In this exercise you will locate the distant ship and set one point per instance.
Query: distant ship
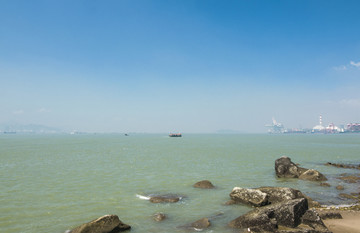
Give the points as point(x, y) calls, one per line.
point(175, 135)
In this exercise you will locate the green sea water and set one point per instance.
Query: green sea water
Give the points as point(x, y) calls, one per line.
point(52, 183)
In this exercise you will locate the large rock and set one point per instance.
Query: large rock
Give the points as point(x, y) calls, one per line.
point(104, 224)
point(313, 219)
point(286, 213)
point(280, 194)
point(204, 184)
point(289, 213)
point(249, 196)
point(285, 168)
point(255, 220)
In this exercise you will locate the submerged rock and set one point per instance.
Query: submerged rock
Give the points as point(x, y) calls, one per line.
point(198, 225)
point(350, 178)
point(324, 184)
point(204, 184)
point(158, 217)
point(285, 168)
point(347, 196)
point(104, 224)
point(340, 165)
point(161, 199)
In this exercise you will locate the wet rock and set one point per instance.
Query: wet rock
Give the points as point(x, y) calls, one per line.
point(104, 224)
point(158, 217)
point(339, 165)
point(347, 196)
point(340, 187)
point(161, 199)
point(312, 175)
point(350, 178)
point(249, 196)
point(201, 223)
point(230, 202)
point(198, 225)
point(285, 168)
point(324, 184)
point(204, 184)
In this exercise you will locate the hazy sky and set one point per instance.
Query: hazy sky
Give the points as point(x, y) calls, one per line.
point(179, 65)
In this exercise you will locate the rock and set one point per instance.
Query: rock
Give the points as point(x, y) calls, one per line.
point(284, 168)
point(280, 194)
point(312, 175)
point(256, 221)
point(313, 219)
point(169, 198)
point(347, 196)
point(204, 184)
point(230, 202)
point(159, 217)
point(330, 215)
point(164, 199)
point(201, 224)
point(104, 224)
point(350, 178)
point(339, 165)
point(324, 184)
point(287, 213)
point(340, 187)
point(198, 225)
point(249, 196)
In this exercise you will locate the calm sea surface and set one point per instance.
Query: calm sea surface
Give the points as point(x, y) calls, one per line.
point(51, 183)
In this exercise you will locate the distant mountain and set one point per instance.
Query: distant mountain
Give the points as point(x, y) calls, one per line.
point(31, 128)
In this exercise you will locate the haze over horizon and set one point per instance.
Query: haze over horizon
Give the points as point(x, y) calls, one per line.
point(179, 65)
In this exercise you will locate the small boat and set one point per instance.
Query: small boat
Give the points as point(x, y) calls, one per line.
point(175, 135)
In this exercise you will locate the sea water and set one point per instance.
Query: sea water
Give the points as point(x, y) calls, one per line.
point(52, 183)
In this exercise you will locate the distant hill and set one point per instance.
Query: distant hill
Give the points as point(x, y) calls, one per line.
point(31, 128)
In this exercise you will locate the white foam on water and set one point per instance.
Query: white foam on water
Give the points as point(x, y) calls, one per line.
point(338, 206)
point(142, 197)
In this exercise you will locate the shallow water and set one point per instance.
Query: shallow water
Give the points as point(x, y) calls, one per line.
point(51, 183)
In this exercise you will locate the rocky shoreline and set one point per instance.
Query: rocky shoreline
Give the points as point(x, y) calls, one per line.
point(275, 209)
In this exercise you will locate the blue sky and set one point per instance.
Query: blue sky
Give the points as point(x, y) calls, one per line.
point(185, 66)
